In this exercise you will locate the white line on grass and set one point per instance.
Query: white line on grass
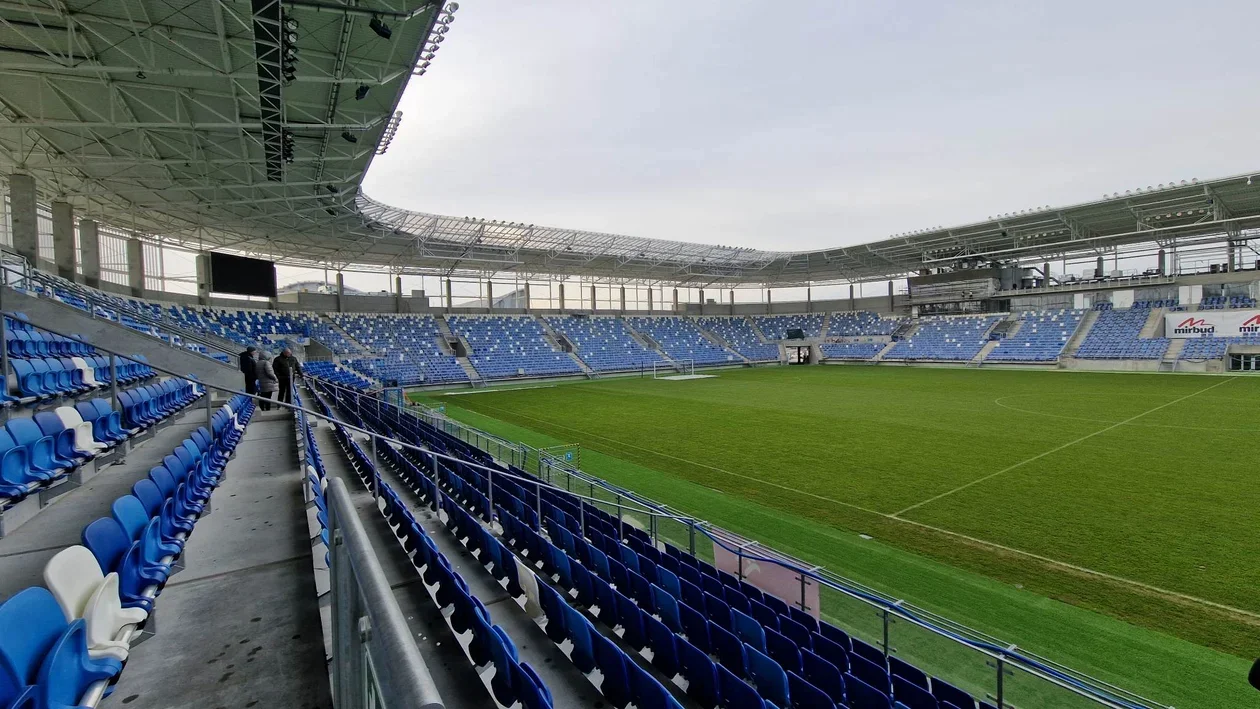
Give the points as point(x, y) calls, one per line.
point(1069, 444)
point(921, 525)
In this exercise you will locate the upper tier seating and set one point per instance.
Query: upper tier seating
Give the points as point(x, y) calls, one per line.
point(331, 372)
point(1203, 348)
point(851, 350)
point(1041, 337)
point(775, 327)
point(408, 347)
point(1220, 302)
point(604, 343)
point(860, 323)
point(1115, 336)
point(1163, 303)
point(60, 646)
point(955, 339)
point(510, 346)
point(681, 340)
point(735, 644)
point(739, 333)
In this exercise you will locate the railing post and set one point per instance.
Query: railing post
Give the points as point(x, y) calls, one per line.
point(113, 381)
point(1001, 667)
point(886, 648)
point(652, 523)
point(437, 484)
point(209, 412)
point(376, 472)
point(621, 525)
point(691, 536)
point(582, 516)
point(490, 512)
point(4, 345)
point(538, 502)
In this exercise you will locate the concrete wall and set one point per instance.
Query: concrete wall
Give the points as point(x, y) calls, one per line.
point(63, 318)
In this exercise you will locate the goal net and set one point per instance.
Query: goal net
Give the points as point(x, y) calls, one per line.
point(661, 370)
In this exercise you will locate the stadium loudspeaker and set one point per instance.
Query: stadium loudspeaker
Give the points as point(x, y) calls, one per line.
point(1254, 677)
point(796, 334)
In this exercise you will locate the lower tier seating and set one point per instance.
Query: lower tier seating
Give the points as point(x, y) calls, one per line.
point(851, 350)
point(63, 645)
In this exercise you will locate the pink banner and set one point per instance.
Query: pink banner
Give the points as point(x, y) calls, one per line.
point(768, 576)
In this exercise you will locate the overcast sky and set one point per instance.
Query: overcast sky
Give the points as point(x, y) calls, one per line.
point(817, 124)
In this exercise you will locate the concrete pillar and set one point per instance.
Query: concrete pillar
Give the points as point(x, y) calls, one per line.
point(1229, 252)
point(561, 292)
point(1099, 268)
point(1163, 263)
point(398, 294)
point(1045, 273)
point(449, 300)
point(732, 301)
point(204, 285)
point(623, 299)
point(675, 300)
point(702, 301)
point(90, 253)
point(135, 266)
point(890, 297)
point(527, 297)
point(592, 298)
point(23, 215)
point(852, 301)
point(650, 299)
point(63, 239)
point(769, 302)
point(490, 296)
point(341, 292)
point(809, 299)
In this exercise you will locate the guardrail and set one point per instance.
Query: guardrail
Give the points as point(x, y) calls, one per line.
point(375, 660)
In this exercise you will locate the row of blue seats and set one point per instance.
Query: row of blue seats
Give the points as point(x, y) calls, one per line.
point(337, 375)
point(48, 377)
point(485, 644)
point(33, 343)
point(40, 451)
point(64, 645)
point(863, 676)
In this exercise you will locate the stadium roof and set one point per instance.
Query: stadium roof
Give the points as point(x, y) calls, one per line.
point(171, 118)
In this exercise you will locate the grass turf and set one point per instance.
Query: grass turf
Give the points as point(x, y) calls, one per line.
point(1136, 476)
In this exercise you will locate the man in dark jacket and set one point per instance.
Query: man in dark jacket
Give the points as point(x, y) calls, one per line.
point(287, 367)
point(249, 368)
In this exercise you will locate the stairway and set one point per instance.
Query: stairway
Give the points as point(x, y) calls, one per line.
point(720, 341)
point(362, 349)
point(1082, 331)
point(762, 335)
point(1154, 323)
point(879, 357)
point(474, 377)
point(649, 344)
point(551, 337)
point(1172, 355)
point(978, 360)
point(443, 326)
point(905, 330)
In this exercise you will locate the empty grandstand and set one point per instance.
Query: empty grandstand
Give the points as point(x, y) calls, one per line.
point(943, 339)
point(511, 347)
point(740, 335)
point(1041, 337)
point(680, 339)
point(605, 344)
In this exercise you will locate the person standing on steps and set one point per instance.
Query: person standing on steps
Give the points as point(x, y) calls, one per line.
point(249, 368)
point(287, 368)
point(267, 381)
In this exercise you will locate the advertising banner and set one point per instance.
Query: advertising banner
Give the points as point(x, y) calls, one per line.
point(1212, 323)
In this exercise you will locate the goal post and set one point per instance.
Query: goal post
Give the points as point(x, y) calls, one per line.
point(661, 370)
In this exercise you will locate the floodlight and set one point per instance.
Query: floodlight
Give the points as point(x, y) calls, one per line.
point(452, 6)
point(290, 37)
point(381, 29)
point(361, 92)
point(290, 24)
point(349, 137)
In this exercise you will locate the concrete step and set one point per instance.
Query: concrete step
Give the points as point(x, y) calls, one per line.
point(1082, 331)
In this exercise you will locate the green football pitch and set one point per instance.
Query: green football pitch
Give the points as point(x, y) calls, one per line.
point(1110, 522)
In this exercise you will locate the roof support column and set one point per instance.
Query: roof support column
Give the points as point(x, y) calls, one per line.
point(732, 301)
point(135, 266)
point(592, 297)
point(527, 296)
point(809, 299)
point(561, 292)
point(852, 302)
point(24, 219)
point(891, 308)
point(1163, 263)
point(63, 239)
point(448, 295)
point(203, 274)
point(1045, 269)
point(489, 296)
point(623, 300)
point(769, 304)
point(398, 294)
point(702, 301)
point(90, 253)
point(1099, 268)
point(675, 300)
point(341, 292)
point(1229, 252)
point(650, 289)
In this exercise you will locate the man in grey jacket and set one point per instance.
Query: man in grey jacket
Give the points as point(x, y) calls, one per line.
point(267, 381)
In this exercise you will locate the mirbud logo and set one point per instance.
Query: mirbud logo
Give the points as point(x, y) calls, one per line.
point(1251, 326)
point(1199, 326)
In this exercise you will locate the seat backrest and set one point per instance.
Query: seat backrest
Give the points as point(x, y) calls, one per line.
point(727, 648)
point(805, 694)
point(735, 692)
point(748, 630)
point(30, 622)
point(165, 481)
point(912, 695)
point(784, 651)
point(131, 515)
point(72, 576)
point(768, 675)
point(149, 494)
point(823, 675)
point(612, 663)
point(696, 665)
point(67, 671)
point(24, 431)
point(108, 542)
point(946, 692)
point(69, 415)
point(49, 423)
